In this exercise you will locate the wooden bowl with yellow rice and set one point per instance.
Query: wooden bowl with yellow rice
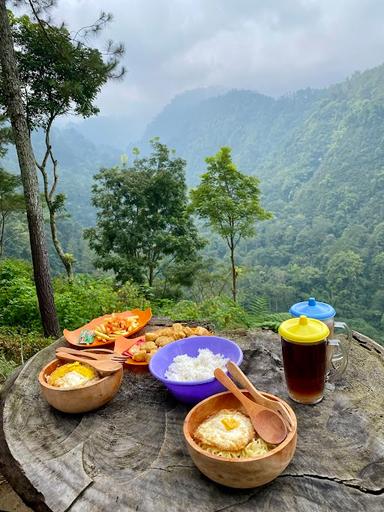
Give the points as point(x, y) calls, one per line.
point(79, 399)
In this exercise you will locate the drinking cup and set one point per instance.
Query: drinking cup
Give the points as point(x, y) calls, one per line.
point(304, 347)
point(336, 353)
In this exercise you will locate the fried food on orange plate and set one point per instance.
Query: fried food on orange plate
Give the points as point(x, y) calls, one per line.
point(161, 341)
point(177, 332)
point(189, 331)
point(157, 339)
point(114, 326)
point(140, 356)
point(200, 331)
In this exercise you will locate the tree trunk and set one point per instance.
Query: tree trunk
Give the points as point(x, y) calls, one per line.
point(26, 159)
point(233, 269)
point(150, 275)
point(49, 194)
point(67, 262)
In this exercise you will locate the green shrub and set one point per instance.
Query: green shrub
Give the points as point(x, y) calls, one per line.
point(89, 297)
point(16, 346)
point(362, 326)
point(86, 298)
point(76, 303)
point(268, 320)
point(182, 310)
point(221, 311)
point(18, 301)
point(130, 296)
point(19, 344)
point(6, 367)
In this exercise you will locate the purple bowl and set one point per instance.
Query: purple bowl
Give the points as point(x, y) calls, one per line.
point(195, 391)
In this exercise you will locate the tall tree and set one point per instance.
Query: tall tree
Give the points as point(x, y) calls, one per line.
point(143, 226)
point(59, 76)
point(17, 115)
point(10, 201)
point(230, 201)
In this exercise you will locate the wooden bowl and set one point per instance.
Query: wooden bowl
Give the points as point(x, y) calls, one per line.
point(81, 399)
point(238, 473)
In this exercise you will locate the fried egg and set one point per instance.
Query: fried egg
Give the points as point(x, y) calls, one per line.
point(226, 430)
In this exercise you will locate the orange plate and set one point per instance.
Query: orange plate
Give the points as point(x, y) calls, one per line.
point(122, 345)
point(73, 336)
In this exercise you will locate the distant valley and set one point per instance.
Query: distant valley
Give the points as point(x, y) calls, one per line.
point(320, 157)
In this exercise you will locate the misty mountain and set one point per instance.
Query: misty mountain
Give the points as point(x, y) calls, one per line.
point(79, 160)
point(320, 157)
point(254, 125)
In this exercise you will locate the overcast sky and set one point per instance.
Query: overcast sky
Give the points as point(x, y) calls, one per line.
point(272, 46)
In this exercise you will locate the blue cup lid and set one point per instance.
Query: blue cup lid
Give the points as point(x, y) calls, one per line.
point(313, 309)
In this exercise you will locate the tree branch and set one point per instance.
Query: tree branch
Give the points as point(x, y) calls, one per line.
point(39, 20)
point(42, 166)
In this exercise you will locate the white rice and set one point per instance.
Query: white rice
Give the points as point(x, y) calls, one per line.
point(185, 368)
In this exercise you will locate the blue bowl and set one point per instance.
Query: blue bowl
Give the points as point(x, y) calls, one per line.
point(195, 391)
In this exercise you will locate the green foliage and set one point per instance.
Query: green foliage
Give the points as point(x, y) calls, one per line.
point(8, 184)
point(16, 346)
point(230, 202)
point(19, 343)
point(6, 367)
point(18, 301)
point(84, 299)
point(143, 226)
point(221, 312)
point(11, 202)
point(89, 297)
point(260, 316)
point(59, 75)
point(344, 275)
point(5, 135)
point(228, 199)
point(257, 306)
point(319, 156)
point(77, 303)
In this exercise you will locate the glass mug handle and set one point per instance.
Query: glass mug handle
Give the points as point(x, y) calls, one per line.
point(339, 359)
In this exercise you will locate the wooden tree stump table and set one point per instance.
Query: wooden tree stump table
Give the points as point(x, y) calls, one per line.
point(130, 455)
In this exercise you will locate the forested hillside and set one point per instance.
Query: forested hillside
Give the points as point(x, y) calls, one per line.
point(79, 159)
point(320, 157)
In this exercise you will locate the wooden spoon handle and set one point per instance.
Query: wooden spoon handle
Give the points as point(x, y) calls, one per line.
point(71, 357)
point(96, 351)
point(243, 380)
point(231, 386)
point(75, 352)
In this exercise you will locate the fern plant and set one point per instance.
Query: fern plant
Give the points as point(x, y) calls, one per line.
point(260, 315)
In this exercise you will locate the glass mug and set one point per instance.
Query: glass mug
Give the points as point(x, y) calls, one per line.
point(337, 349)
point(305, 344)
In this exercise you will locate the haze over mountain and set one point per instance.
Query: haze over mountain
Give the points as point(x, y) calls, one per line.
point(320, 157)
point(272, 47)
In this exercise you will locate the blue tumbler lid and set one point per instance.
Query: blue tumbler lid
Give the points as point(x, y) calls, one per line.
point(313, 309)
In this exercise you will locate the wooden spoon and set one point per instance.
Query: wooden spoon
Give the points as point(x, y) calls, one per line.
point(260, 399)
point(93, 355)
point(268, 424)
point(104, 367)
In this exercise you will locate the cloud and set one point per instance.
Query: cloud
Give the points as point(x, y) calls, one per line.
point(270, 46)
